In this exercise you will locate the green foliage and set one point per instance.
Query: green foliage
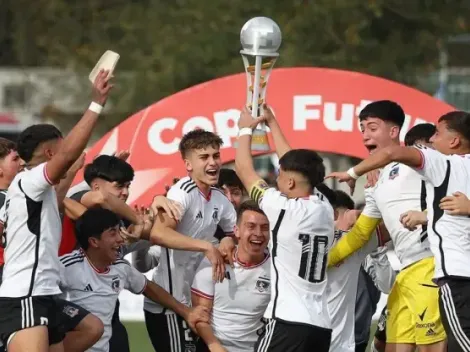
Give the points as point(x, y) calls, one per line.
point(168, 45)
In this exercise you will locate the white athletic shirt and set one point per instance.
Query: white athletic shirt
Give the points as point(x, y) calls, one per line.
point(239, 302)
point(33, 232)
point(200, 217)
point(341, 291)
point(449, 234)
point(398, 190)
point(302, 232)
point(98, 291)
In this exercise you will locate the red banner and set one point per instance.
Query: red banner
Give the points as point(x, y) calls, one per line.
point(316, 107)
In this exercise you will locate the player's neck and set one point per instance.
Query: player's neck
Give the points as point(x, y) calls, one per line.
point(462, 151)
point(205, 189)
point(35, 161)
point(247, 260)
point(4, 184)
point(97, 261)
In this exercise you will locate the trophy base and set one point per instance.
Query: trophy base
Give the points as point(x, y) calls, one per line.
point(259, 141)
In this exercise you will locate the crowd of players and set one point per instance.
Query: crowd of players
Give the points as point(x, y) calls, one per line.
point(298, 267)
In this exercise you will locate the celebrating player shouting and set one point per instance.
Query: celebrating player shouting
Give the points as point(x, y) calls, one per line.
point(414, 317)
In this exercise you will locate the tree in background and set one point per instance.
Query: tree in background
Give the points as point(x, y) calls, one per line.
point(169, 45)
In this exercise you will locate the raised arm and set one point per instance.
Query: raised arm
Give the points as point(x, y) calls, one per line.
point(75, 142)
point(280, 142)
point(243, 160)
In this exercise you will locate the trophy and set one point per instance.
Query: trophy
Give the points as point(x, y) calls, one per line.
point(260, 38)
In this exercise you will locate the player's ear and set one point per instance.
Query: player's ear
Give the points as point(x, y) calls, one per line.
point(93, 242)
point(336, 214)
point(455, 142)
point(236, 231)
point(188, 165)
point(291, 183)
point(394, 131)
point(95, 186)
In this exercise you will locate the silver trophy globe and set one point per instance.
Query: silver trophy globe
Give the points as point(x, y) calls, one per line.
point(260, 38)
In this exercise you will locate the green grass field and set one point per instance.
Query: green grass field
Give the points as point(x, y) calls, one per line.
point(140, 342)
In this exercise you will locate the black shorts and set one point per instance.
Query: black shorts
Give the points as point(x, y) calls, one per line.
point(22, 313)
point(282, 336)
point(119, 341)
point(380, 333)
point(169, 333)
point(70, 315)
point(454, 306)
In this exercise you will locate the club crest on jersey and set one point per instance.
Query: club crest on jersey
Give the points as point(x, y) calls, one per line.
point(115, 284)
point(215, 214)
point(262, 285)
point(394, 173)
point(70, 311)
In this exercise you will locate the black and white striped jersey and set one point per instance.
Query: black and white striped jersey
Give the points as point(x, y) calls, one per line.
point(201, 215)
point(97, 291)
point(302, 232)
point(32, 233)
point(448, 234)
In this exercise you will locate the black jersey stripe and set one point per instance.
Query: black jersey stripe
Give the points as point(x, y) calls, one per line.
point(33, 222)
point(170, 281)
point(68, 258)
point(274, 255)
point(439, 193)
point(78, 260)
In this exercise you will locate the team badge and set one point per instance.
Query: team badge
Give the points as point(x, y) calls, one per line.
point(394, 173)
point(262, 285)
point(116, 283)
point(70, 311)
point(215, 215)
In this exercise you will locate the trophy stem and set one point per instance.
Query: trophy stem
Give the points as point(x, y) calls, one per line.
point(256, 86)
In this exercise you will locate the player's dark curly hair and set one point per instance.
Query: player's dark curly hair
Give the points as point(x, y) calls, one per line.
point(248, 205)
point(305, 162)
point(93, 223)
point(33, 136)
point(109, 168)
point(6, 146)
point(198, 139)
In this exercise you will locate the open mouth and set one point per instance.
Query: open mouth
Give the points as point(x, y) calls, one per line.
point(212, 172)
point(371, 148)
point(256, 243)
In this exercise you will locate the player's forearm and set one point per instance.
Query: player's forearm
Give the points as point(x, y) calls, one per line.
point(243, 158)
point(165, 236)
point(160, 296)
point(62, 188)
point(280, 142)
point(355, 239)
point(73, 209)
point(118, 206)
point(205, 331)
point(407, 155)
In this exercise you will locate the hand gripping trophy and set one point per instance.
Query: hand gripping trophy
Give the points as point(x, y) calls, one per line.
point(260, 38)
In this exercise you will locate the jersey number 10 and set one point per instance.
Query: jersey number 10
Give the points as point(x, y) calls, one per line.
point(314, 257)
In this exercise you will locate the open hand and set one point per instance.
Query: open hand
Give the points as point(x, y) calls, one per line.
point(199, 314)
point(247, 121)
point(102, 87)
point(456, 204)
point(413, 218)
point(173, 209)
point(344, 177)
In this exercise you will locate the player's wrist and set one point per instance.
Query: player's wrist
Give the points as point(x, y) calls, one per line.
point(352, 173)
point(96, 107)
point(245, 131)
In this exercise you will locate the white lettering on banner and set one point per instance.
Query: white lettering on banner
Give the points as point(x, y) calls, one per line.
point(336, 118)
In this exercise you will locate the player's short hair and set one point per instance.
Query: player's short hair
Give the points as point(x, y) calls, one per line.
point(93, 223)
point(343, 200)
point(385, 110)
point(109, 168)
point(421, 132)
point(248, 205)
point(229, 178)
point(458, 121)
point(33, 136)
point(198, 139)
point(306, 162)
point(6, 146)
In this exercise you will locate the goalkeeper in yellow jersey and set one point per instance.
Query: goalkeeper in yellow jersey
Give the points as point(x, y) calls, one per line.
point(413, 319)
